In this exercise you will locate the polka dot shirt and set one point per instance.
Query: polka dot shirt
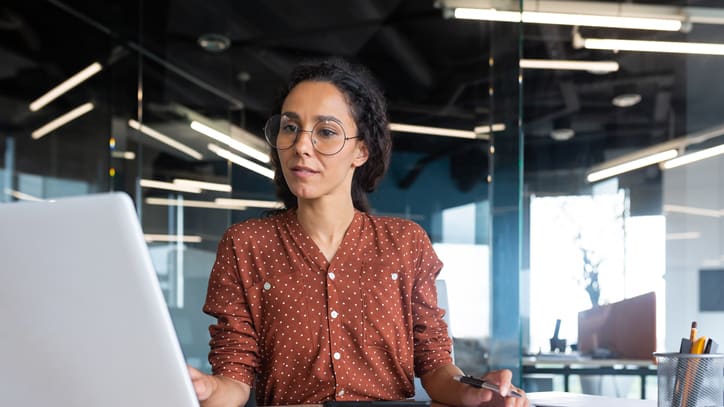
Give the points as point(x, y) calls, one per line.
point(305, 330)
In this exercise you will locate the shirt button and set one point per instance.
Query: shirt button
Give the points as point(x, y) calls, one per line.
point(331, 275)
point(267, 286)
point(394, 276)
point(337, 356)
point(334, 314)
point(341, 393)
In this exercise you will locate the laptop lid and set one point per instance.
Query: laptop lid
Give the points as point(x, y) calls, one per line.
point(83, 321)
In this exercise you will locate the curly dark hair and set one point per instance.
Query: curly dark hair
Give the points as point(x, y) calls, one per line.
point(369, 111)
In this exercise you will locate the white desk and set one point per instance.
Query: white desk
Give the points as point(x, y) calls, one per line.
point(560, 399)
point(567, 365)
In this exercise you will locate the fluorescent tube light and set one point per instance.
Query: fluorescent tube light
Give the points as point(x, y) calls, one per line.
point(490, 14)
point(62, 120)
point(252, 166)
point(149, 183)
point(184, 203)
point(562, 64)
point(480, 132)
point(683, 236)
point(220, 203)
point(249, 203)
point(235, 144)
point(126, 155)
point(171, 238)
point(631, 165)
point(702, 48)
point(67, 85)
point(211, 186)
point(586, 20)
point(433, 131)
point(485, 129)
point(165, 139)
point(693, 157)
point(690, 210)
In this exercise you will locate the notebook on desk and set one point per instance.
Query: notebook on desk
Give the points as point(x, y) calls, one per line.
point(83, 321)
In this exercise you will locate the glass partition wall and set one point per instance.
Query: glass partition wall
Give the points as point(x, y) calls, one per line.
point(529, 229)
point(623, 181)
point(167, 98)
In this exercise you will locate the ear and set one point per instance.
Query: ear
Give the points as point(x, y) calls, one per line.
point(361, 155)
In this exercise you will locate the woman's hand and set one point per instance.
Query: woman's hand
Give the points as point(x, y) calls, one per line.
point(204, 384)
point(218, 390)
point(444, 389)
point(502, 378)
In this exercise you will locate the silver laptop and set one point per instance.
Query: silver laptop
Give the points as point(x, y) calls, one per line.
point(83, 321)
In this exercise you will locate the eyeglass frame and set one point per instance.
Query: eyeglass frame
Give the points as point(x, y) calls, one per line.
point(311, 132)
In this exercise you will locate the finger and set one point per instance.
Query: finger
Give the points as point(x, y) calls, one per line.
point(194, 373)
point(503, 379)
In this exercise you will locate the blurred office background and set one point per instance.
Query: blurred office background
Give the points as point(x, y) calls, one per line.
point(497, 146)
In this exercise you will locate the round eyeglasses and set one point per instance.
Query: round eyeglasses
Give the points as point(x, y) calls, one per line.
point(328, 136)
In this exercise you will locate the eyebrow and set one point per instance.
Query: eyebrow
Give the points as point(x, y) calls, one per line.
point(319, 118)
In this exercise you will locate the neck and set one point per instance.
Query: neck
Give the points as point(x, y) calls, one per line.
point(326, 223)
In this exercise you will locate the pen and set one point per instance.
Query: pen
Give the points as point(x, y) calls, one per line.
point(482, 384)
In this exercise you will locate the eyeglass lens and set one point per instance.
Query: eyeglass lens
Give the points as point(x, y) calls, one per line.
point(328, 136)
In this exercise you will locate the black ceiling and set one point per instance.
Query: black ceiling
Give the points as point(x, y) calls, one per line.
point(434, 70)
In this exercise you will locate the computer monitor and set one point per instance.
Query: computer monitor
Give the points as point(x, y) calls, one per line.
point(83, 321)
point(621, 330)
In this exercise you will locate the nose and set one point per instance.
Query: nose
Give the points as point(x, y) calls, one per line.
point(304, 145)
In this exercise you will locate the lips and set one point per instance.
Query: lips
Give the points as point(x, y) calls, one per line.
point(303, 171)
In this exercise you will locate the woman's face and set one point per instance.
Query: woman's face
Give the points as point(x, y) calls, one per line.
point(309, 174)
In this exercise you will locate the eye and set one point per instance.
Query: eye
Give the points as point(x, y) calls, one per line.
point(289, 128)
point(328, 130)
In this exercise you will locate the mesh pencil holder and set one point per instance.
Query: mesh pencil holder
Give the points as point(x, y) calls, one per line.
point(686, 380)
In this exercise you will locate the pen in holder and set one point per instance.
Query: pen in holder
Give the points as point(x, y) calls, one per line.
point(690, 380)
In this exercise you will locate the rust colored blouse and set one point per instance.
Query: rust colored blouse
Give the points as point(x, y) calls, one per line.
point(305, 330)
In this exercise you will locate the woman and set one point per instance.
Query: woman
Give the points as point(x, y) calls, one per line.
point(322, 300)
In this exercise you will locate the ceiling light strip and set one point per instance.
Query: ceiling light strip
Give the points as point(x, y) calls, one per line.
point(249, 203)
point(67, 85)
point(62, 120)
point(433, 131)
point(690, 210)
point(631, 165)
point(150, 237)
point(149, 183)
point(483, 131)
point(586, 20)
point(693, 157)
point(226, 139)
point(683, 236)
point(189, 203)
point(165, 139)
point(249, 165)
point(210, 186)
point(219, 203)
point(125, 155)
point(700, 48)
point(571, 65)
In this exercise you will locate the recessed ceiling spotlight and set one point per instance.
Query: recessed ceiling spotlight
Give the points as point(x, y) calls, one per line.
point(562, 134)
point(213, 42)
point(243, 76)
point(626, 100)
point(562, 129)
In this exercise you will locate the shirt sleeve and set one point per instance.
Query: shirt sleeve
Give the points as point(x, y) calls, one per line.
point(234, 342)
point(433, 346)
